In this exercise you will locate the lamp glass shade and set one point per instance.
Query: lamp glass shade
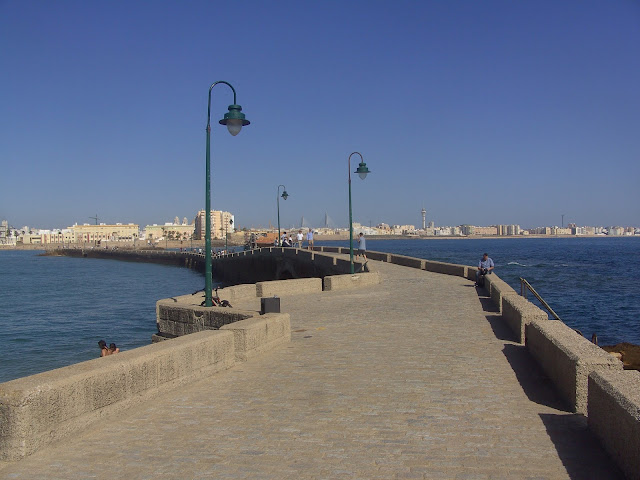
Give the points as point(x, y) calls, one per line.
point(234, 119)
point(285, 195)
point(362, 170)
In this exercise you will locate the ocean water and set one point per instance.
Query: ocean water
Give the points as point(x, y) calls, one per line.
point(593, 284)
point(53, 310)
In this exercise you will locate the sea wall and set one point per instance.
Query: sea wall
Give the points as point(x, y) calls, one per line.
point(40, 409)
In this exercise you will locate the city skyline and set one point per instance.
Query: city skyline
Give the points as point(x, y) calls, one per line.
point(492, 113)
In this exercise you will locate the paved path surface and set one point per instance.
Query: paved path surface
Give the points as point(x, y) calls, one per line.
point(414, 378)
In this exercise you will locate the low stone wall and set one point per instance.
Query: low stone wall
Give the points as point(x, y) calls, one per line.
point(498, 289)
point(298, 286)
point(614, 416)
point(407, 261)
point(517, 312)
point(39, 409)
point(259, 334)
point(345, 282)
point(567, 358)
point(446, 268)
point(176, 318)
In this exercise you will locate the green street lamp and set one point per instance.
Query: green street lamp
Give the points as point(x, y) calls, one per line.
point(234, 119)
point(362, 172)
point(284, 195)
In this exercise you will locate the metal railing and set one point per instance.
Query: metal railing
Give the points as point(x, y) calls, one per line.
point(524, 286)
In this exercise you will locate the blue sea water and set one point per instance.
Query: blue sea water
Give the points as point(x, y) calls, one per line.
point(53, 310)
point(593, 284)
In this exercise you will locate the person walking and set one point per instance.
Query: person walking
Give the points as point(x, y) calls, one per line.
point(299, 238)
point(362, 247)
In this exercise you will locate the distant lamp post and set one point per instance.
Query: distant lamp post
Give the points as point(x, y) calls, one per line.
point(362, 172)
point(226, 237)
point(284, 195)
point(234, 119)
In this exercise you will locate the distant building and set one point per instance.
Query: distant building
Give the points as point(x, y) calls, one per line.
point(221, 223)
point(119, 232)
point(169, 231)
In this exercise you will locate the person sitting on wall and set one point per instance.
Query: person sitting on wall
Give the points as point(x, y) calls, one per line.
point(285, 240)
point(113, 349)
point(485, 266)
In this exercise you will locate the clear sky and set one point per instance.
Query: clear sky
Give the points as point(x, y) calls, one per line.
point(482, 112)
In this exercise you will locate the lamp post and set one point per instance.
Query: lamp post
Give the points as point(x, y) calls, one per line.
point(234, 119)
point(362, 172)
point(284, 195)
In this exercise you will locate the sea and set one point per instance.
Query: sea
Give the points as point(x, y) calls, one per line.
point(53, 310)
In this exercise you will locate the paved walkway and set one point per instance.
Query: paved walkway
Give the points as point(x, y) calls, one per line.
point(414, 378)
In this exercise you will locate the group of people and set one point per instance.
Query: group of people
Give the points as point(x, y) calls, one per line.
point(288, 241)
point(110, 350)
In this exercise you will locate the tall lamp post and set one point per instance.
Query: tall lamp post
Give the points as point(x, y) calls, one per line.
point(234, 119)
point(284, 195)
point(362, 172)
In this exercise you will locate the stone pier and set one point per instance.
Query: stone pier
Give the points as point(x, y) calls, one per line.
point(415, 377)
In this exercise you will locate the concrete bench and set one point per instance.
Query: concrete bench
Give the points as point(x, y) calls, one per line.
point(567, 358)
point(40, 409)
point(517, 312)
point(344, 282)
point(256, 335)
point(289, 287)
point(614, 416)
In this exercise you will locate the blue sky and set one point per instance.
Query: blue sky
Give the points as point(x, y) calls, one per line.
point(482, 112)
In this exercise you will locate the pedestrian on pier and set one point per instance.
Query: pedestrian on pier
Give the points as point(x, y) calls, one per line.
point(310, 239)
point(299, 237)
point(362, 247)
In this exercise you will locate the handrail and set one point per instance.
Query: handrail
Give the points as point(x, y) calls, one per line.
point(523, 292)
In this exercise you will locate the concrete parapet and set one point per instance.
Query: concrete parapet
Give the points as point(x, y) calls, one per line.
point(331, 249)
point(446, 268)
point(407, 261)
point(471, 273)
point(179, 319)
point(499, 290)
point(259, 334)
point(518, 312)
point(344, 282)
point(238, 292)
point(381, 256)
point(567, 358)
point(614, 416)
point(288, 287)
point(40, 409)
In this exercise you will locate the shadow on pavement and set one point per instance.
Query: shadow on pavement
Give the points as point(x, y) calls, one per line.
point(500, 329)
point(487, 304)
point(534, 382)
point(578, 449)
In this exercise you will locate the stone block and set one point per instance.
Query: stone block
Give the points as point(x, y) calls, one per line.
point(296, 286)
point(614, 416)
point(408, 261)
point(40, 409)
point(499, 289)
point(567, 358)
point(517, 312)
point(259, 334)
point(238, 292)
point(178, 319)
point(380, 256)
point(345, 282)
point(446, 268)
